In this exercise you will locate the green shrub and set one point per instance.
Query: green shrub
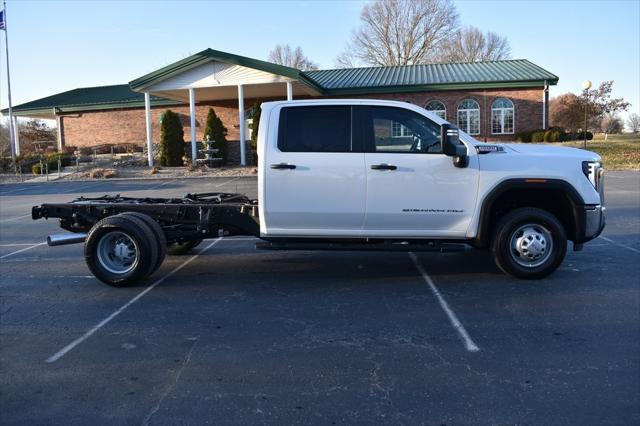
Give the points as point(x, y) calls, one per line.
point(554, 135)
point(537, 136)
point(171, 140)
point(51, 161)
point(580, 136)
point(215, 131)
point(254, 133)
point(523, 137)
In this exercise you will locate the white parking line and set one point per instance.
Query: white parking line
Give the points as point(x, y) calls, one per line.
point(15, 218)
point(21, 250)
point(18, 244)
point(455, 322)
point(615, 243)
point(217, 185)
point(82, 188)
point(62, 352)
point(16, 190)
point(161, 185)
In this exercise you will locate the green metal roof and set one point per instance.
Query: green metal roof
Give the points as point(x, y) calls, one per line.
point(450, 76)
point(89, 98)
point(337, 82)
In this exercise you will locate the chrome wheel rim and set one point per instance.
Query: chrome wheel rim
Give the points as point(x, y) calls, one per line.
point(531, 245)
point(117, 252)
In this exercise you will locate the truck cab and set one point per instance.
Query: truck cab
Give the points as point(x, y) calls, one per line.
point(377, 169)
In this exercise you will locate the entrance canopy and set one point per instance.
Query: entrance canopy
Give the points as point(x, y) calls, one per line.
point(212, 75)
point(216, 75)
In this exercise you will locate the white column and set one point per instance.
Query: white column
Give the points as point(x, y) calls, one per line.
point(59, 123)
point(17, 134)
point(544, 105)
point(243, 156)
point(147, 110)
point(192, 112)
point(289, 91)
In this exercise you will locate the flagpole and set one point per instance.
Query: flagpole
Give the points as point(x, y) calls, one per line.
point(15, 150)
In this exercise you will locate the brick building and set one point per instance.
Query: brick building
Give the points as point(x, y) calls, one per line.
point(490, 100)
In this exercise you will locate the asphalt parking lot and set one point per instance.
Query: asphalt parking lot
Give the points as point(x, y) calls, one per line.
point(232, 335)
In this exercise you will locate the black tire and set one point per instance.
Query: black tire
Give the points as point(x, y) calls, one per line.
point(125, 231)
point(178, 249)
point(529, 243)
point(161, 240)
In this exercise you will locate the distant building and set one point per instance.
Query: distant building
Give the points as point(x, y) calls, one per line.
point(490, 100)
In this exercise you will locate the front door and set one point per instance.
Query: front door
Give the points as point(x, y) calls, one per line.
point(413, 189)
point(314, 175)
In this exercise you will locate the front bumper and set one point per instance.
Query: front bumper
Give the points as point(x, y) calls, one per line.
point(592, 223)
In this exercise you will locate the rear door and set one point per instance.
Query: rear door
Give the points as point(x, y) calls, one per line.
point(314, 174)
point(413, 189)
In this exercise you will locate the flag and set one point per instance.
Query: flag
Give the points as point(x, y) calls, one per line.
point(2, 26)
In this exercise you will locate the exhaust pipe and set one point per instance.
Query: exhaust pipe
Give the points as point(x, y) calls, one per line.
point(64, 239)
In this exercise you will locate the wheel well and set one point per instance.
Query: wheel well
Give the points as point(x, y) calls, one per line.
point(554, 200)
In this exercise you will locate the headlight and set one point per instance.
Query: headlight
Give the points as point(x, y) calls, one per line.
point(594, 171)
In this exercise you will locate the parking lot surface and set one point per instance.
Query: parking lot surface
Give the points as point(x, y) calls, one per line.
point(233, 335)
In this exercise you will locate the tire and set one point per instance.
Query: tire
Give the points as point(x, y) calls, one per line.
point(132, 238)
point(178, 249)
point(161, 240)
point(529, 243)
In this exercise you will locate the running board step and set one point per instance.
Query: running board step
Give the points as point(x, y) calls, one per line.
point(402, 247)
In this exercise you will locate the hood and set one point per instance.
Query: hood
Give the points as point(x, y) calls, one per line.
point(552, 150)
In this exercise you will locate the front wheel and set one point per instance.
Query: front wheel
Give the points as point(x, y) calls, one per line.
point(529, 243)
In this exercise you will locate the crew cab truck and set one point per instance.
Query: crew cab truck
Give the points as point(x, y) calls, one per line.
point(361, 175)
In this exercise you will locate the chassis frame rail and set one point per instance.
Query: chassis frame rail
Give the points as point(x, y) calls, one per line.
point(192, 217)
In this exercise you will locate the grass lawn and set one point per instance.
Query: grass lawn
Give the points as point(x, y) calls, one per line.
point(618, 152)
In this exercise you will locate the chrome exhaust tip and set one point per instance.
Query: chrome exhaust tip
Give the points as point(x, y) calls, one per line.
point(64, 239)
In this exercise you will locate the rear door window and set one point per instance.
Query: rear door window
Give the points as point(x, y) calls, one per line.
point(315, 129)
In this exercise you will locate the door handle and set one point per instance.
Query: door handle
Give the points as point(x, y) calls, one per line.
point(283, 166)
point(383, 167)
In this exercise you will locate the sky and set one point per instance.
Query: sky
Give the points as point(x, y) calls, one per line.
point(61, 45)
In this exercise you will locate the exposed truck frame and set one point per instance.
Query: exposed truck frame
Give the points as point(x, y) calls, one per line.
point(195, 216)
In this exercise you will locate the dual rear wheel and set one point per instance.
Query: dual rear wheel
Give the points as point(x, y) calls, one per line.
point(125, 248)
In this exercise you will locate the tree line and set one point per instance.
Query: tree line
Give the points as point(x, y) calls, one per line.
point(406, 32)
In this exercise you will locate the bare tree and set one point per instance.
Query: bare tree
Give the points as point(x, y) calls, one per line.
point(568, 110)
point(611, 124)
point(470, 44)
point(294, 58)
point(633, 122)
point(400, 32)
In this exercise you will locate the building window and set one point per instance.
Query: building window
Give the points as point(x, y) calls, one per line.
point(469, 117)
point(399, 130)
point(502, 116)
point(437, 108)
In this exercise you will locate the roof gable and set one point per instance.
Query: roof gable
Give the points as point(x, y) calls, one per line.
point(208, 55)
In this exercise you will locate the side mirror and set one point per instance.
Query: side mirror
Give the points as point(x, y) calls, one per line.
point(452, 147)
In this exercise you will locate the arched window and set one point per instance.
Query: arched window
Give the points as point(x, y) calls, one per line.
point(437, 108)
point(469, 116)
point(502, 116)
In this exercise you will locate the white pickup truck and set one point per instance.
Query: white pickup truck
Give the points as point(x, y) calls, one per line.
point(361, 175)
